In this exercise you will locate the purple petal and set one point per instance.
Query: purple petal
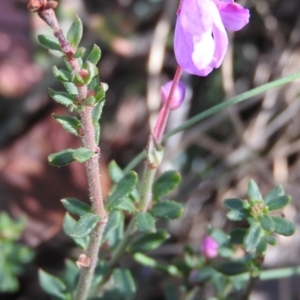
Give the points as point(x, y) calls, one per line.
point(234, 16)
point(200, 41)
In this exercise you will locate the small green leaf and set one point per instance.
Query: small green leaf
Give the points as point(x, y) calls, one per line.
point(167, 210)
point(101, 91)
point(61, 75)
point(75, 206)
point(237, 215)
point(76, 78)
point(85, 225)
point(266, 222)
point(97, 133)
point(122, 190)
point(70, 88)
point(68, 226)
point(115, 172)
point(92, 72)
point(94, 85)
point(253, 236)
point(114, 219)
point(94, 55)
point(79, 52)
point(74, 34)
point(125, 283)
point(62, 97)
point(144, 222)
point(278, 203)
point(127, 205)
point(90, 101)
point(61, 158)
point(165, 183)
point(82, 154)
point(148, 242)
point(70, 124)
point(231, 268)
point(237, 236)
point(253, 191)
point(70, 275)
point(270, 240)
point(53, 286)
point(261, 248)
point(116, 235)
point(283, 226)
point(234, 204)
point(56, 53)
point(97, 111)
point(274, 193)
point(49, 42)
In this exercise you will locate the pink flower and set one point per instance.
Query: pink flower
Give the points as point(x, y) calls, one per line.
point(178, 95)
point(209, 247)
point(200, 41)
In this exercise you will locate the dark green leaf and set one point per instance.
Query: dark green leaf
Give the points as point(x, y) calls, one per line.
point(261, 248)
point(252, 237)
point(75, 206)
point(62, 97)
point(53, 286)
point(234, 204)
point(82, 154)
point(74, 34)
point(283, 226)
point(115, 172)
point(122, 190)
point(125, 283)
point(274, 193)
point(85, 225)
point(94, 55)
point(144, 222)
point(101, 91)
point(237, 215)
point(253, 191)
point(167, 210)
point(231, 268)
point(61, 158)
point(237, 235)
point(97, 111)
point(70, 124)
point(266, 222)
point(49, 42)
point(71, 273)
point(114, 219)
point(202, 275)
point(149, 241)
point(278, 203)
point(165, 183)
point(61, 75)
point(116, 235)
point(68, 226)
point(270, 240)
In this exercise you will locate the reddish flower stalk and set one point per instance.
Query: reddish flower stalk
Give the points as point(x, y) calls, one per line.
point(165, 110)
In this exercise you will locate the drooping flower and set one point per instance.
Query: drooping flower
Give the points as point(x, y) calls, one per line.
point(178, 96)
point(209, 247)
point(201, 41)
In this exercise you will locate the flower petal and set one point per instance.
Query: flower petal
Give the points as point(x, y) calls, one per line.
point(234, 16)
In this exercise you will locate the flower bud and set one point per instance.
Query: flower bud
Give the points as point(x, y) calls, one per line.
point(178, 96)
point(209, 247)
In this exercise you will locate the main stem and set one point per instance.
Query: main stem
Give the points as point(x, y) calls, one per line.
point(147, 181)
point(92, 165)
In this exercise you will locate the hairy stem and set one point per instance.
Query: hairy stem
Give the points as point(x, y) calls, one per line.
point(92, 165)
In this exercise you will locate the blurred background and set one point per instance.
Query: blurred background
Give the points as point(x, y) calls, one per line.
point(259, 138)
